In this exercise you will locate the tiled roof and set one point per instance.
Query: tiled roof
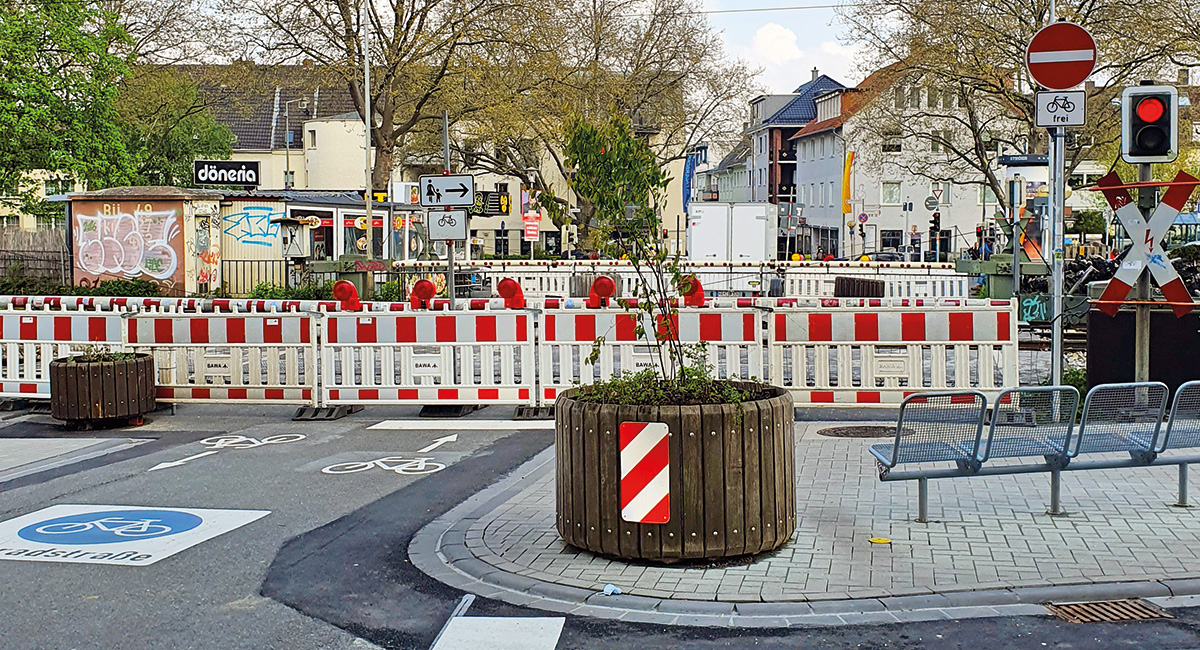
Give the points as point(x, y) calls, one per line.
point(853, 100)
point(737, 155)
point(252, 100)
point(802, 109)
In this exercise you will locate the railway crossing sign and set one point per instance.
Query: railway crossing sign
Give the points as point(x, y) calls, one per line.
point(447, 190)
point(1146, 251)
point(1061, 56)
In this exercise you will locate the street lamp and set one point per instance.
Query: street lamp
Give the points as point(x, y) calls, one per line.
point(302, 104)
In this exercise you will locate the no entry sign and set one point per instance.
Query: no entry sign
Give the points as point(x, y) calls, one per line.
point(1061, 56)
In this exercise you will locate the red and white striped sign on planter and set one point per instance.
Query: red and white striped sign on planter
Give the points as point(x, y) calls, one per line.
point(645, 473)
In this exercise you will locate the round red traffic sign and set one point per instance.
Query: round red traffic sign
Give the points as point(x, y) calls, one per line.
point(1061, 56)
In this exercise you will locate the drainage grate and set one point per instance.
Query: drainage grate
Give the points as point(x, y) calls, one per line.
point(858, 432)
point(1108, 611)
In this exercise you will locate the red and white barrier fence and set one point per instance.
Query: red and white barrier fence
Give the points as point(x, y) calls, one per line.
point(863, 351)
point(263, 358)
point(30, 340)
point(429, 358)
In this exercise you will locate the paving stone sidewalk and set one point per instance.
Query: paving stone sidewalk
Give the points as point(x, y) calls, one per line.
point(985, 533)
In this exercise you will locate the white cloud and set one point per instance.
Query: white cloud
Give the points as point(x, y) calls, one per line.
point(774, 45)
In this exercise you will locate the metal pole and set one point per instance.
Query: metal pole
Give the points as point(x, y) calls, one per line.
point(1055, 493)
point(1141, 289)
point(1057, 183)
point(451, 289)
point(922, 500)
point(368, 121)
point(1183, 496)
point(1016, 197)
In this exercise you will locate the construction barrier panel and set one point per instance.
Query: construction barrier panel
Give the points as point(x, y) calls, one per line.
point(31, 339)
point(870, 351)
point(262, 358)
point(732, 338)
point(429, 358)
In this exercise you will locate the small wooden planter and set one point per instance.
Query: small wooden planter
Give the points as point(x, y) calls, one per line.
point(101, 390)
point(732, 479)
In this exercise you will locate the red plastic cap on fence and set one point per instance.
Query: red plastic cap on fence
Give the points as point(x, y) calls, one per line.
point(422, 292)
point(510, 290)
point(693, 292)
point(347, 294)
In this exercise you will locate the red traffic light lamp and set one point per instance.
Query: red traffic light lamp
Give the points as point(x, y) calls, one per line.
point(1149, 124)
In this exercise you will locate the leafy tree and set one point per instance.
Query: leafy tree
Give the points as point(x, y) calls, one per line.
point(167, 126)
point(1087, 222)
point(60, 66)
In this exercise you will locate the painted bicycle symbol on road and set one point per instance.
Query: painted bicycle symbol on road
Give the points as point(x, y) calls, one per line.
point(397, 464)
point(110, 526)
point(245, 442)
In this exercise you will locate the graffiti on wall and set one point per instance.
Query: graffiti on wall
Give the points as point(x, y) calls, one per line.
point(253, 225)
point(127, 239)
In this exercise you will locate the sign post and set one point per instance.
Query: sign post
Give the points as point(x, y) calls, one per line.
point(1059, 57)
point(532, 221)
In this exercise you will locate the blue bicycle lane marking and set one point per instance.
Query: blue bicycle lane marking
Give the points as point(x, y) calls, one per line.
point(110, 527)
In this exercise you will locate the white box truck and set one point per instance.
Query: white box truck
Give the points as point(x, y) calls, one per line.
point(732, 232)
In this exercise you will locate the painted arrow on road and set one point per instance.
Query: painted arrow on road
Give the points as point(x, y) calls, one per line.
point(438, 442)
point(177, 463)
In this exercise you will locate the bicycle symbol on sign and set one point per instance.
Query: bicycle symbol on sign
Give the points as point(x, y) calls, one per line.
point(397, 464)
point(246, 442)
point(1061, 101)
point(115, 525)
point(447, 220)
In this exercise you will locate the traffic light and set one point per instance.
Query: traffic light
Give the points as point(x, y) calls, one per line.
point(862, 231)
point(979, 232)
point(1149, 124)
point(935, 223)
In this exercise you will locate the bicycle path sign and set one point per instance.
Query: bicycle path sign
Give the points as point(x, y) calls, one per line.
point(1061, 108)
point(120, 535)
point(447, 225)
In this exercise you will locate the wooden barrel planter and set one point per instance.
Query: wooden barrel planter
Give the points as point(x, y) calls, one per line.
point(102, 390)
point(732, 479)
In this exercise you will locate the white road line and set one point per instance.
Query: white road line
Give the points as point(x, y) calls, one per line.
point(500, 633)
point(463, 425)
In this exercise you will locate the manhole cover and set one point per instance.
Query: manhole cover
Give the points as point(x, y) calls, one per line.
point(858, 432)
point(1108, 611)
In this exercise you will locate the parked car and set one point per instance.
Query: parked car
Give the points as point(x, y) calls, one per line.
point(875, 256)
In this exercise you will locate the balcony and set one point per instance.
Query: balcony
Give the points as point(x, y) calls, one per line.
point(785, 188)
point(785, 155)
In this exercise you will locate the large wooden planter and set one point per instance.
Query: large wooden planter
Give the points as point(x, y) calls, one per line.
point(732, 479)
point(101, 390)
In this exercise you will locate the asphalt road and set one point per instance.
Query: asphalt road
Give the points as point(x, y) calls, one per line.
point(328, 567)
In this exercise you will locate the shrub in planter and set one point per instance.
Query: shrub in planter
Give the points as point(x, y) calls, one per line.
point(102, 386)
point(728, 487)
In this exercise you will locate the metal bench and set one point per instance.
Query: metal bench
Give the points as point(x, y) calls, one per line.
point(1039, 422)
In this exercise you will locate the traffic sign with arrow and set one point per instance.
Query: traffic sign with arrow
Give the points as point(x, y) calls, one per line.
point(447, 190)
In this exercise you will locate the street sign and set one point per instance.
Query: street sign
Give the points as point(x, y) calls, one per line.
point(451, 190)
point(532, 222)
point(1146, 252)
point(862, 218)
point(1061, 108)
point(1061, 56)
point(937, 194)
point(931, 203)
point(447, 225)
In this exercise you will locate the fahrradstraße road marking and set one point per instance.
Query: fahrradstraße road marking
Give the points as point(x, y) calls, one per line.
point(121, 535)
point(231, 441)
point(500, 633)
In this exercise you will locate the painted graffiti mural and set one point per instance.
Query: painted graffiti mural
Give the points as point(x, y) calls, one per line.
point(129, 239)
point(253, 225)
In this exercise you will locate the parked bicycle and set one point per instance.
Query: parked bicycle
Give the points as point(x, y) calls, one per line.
point(397, 464)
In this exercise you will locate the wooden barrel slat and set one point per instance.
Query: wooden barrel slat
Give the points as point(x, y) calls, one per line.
point(731, 473)
point(101, 390)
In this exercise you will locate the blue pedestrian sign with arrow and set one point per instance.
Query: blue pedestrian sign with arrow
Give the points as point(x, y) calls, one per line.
point(447, 190)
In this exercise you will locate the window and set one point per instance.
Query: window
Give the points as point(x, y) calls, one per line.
point(899, 96)
point(807, 197)
point(987, 195)
point(821, 194)
point(890, 238)
point(891, 141)
point(59, 186)
point(312, 139)
point(914, 97)
point(939, 141)
point(812, 192)
point(822, 147)
point(941, 191)
point(829, 195)
point(289, 179)
point(502, 188)
point(891, 193)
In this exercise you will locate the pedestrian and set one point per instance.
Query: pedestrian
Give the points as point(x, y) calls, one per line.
point(820, 253)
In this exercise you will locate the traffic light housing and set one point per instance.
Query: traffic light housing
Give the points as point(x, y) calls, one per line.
point(1150, 124)
point(935, 223)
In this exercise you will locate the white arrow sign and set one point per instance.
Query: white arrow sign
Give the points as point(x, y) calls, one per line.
point(177, 463)
point(438, 442)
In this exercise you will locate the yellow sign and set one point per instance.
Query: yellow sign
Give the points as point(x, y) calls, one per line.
point(361, 224)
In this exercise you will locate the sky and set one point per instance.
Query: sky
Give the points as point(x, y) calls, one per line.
point(786, 45)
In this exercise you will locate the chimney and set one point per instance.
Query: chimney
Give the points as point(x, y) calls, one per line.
point(816, 73)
